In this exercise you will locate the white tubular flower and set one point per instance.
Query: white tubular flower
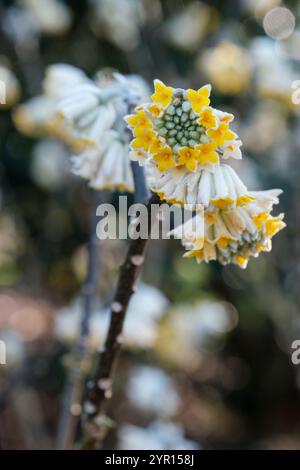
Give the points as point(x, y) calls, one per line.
point(91, 108)
point(84, 114)
point(192, 233)
point(37, 117)
point(221, 189)
point(233, 235)
point(232, 150)
point(107, 165)
point(80, 103)
point(60, 79)
point(95, 114)
point(264, 200)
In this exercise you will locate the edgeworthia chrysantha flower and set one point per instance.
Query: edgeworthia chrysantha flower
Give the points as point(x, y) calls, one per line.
point(183, 142)
point(180, 128)
point(95, 113)
point(88, 116)
point(37, 117)
point(232, 235)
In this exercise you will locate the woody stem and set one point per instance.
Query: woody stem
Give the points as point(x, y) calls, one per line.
point(100, 391)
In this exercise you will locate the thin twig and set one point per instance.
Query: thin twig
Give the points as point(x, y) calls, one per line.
point(95, 422)
point(74, 388)
point(141, 193)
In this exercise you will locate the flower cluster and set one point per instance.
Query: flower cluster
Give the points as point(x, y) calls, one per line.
point(179, 128)
point(37, 117)
point(183, 143)
point(232, 235)
point(221, 188)
point(88, 116)
point(95, 114)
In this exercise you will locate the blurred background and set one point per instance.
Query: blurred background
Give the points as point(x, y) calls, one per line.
point(206, 360)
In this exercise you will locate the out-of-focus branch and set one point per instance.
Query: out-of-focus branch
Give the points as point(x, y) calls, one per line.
point(24, 42)
point(74, 388)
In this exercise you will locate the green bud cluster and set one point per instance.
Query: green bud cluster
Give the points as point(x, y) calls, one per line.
point(179, 126)
point(247, 244)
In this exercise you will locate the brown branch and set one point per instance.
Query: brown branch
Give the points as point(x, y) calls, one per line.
point(95, 423)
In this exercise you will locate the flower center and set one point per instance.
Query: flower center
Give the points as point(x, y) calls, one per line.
point(179, 124)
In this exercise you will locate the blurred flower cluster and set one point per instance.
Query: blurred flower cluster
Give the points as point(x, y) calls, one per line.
point(86, 115)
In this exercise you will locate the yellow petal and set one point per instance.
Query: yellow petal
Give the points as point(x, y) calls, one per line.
point(273, 226)
point(191, 164)
point(221, 203)
point(259, 219)
point(139, 120)
point(244, 200)
point(207, 118)
point(241, 261)
point(223, 242)
point(163, 94)
point(200, 98)
point(155, 110)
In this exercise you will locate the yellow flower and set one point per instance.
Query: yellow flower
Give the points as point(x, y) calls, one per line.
point(188, 157)
point(210, 217)
point(198, 254)
point(155, 110)
point(207, 118)
point(206, 153)
point(164, 159)
point(139, 120)
point(241, 261)
point(274, 225)
point(259, 219)
point(143, 140)
point(207, 253)
point(223, 242)
point(221, 134)
point(156, 146)
point(222, 203)
point(200, 98)
point(226, 117)
point(163, 94)
point(244, 200)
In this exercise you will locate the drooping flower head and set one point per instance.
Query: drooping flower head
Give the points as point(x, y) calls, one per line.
point(233, 235)
point(95, 113)
point(88, 116)
point(180, 128)
point(37, 117)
